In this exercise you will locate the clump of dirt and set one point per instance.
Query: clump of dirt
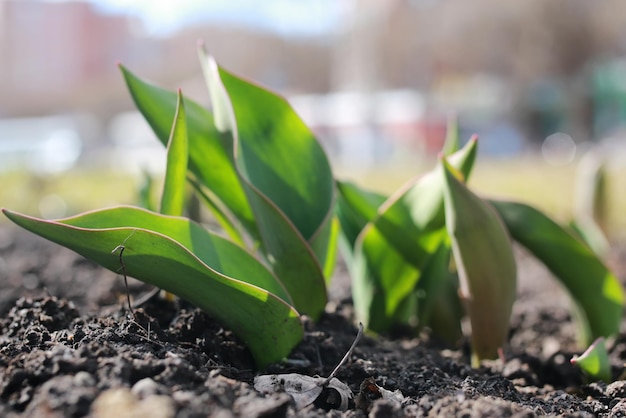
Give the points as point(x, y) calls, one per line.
point(68, 348)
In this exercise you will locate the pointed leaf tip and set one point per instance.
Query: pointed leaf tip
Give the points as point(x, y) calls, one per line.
point(486, 265)
point(594, 362)
point(173, 195)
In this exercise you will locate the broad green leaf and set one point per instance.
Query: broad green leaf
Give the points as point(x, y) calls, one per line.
point(484, 258)
point(210, 157)
point(392, 250)
point(593, 287)
point(291, 258)
point(286, 178)
point(279, 156)
point(174, 254)
point(217, 252)
point(174, 186)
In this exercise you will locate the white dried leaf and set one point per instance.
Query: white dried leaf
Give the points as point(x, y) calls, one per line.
point(395, 396)
point(303, 389)
point(343, 390)
point(306, 389)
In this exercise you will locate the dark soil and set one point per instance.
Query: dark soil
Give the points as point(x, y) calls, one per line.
point(68, 348)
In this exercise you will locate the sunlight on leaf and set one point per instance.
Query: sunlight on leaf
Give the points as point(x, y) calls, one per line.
point(173, 196)
point(487, 269)
point(592, 286)
point(183, 258)
point(210, 159)
point(287, 181)
point(394, 247)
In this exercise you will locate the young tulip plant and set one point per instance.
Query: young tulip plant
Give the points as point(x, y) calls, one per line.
point(268, 182)
point(435, 251)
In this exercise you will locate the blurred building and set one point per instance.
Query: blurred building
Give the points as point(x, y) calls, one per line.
point(58, 57)
point(61, 56)
point(512, 70)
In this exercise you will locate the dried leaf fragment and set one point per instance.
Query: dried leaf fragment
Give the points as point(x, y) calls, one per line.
point(306, 390)
point(303, 389)
point(369, 391)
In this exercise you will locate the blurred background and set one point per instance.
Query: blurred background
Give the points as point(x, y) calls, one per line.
point(541, 82)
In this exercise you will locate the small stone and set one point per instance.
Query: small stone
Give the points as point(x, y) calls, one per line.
point(30, 281)
point(616, 389)
point(183, 396)
point(383, 408)
point(114, 403)
point(156, 406)
point(121, 403)
point(275, 406)
point(147, 387)
point(84, 379)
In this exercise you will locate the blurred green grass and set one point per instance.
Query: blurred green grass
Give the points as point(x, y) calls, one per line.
point(528, 179)
point(64, 194)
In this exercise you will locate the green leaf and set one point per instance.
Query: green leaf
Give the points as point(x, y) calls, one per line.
point(145, 195)
point(173, 196)
point(181, 257)
point(593, 287)
point(591, 189)
point(219, 212)
point(590, 205)
point(279, 156)
point(286, 178)
point(439, 306)
point(291, 258)
point(594, 362)
point(355, 208)
point(210, 157)
point(393, 249)
point(324, 246)
point(453, 140)
point(590, 233)
point(484, 258)
point(383, 277)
